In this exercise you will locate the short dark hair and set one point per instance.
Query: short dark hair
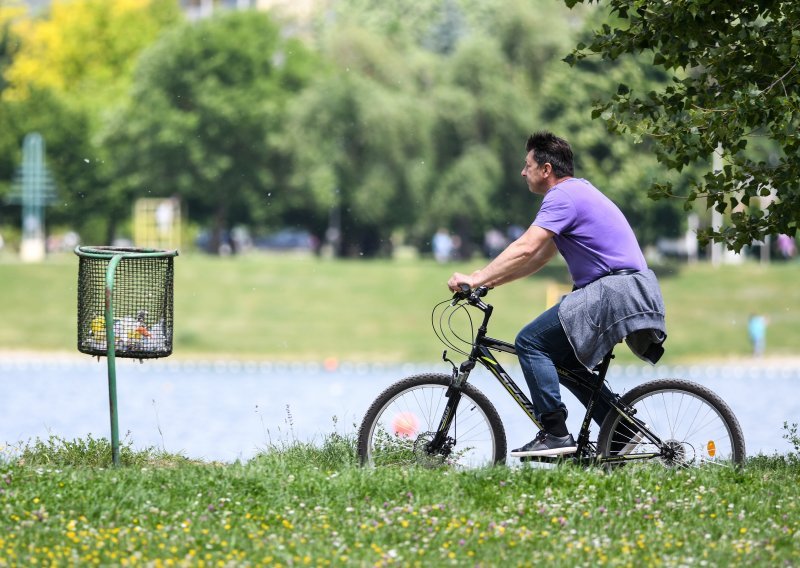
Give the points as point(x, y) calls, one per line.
point(549, 148)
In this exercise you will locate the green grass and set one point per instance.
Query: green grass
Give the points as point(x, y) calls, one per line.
point(288, 308)
point(297, 504)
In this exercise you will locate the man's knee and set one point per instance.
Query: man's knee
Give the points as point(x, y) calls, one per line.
point(527, 343)
point(520, 342)
point(529, 340)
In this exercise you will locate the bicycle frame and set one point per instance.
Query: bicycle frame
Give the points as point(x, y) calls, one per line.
point(481, 352)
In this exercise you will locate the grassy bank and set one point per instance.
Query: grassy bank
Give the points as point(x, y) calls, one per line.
point(310, 309)
point(303, 505)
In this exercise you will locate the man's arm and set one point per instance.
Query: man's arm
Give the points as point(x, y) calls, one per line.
point(521, 258)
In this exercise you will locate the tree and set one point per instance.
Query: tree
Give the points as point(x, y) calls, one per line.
point(8, 138)
point(483, 113)
point(205, 120)
point(65, 130)
point(736, 80)
point(617, 165)
point(85, 49)
point(360, 142)
point(424, 130)
point(62, 69)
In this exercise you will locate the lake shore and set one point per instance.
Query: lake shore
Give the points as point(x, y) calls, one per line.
point(29, 356)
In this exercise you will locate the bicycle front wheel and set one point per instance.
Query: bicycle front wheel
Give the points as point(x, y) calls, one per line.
point(695, 425)
point(400, 424)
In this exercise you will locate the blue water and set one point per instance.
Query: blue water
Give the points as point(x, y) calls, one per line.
point(228, 410)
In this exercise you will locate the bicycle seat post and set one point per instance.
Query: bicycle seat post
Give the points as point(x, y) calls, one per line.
point(602, 368)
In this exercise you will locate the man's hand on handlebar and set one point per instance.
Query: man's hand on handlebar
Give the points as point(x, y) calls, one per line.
point(466, 287)
point(457, 280)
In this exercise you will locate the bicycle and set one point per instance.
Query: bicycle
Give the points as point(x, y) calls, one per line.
point(436, 419)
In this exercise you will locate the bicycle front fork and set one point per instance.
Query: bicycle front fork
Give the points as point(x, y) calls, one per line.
point(442, 442)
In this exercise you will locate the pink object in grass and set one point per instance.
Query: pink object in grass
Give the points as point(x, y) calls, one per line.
point(405, 424)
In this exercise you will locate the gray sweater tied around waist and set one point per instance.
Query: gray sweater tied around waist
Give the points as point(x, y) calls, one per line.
point(610, 309)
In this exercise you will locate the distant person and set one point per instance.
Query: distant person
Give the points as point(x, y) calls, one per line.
point(165, 216)
point(494, 242)
point(787, 248)
point(757, 331)
point(514, 232)
point(442, 245)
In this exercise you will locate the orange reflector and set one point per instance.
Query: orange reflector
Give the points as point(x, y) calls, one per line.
point(712, 448)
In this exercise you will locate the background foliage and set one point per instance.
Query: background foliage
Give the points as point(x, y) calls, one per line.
point(733, 91)
point(381, 121)
point(64, 71)
point(204, 116)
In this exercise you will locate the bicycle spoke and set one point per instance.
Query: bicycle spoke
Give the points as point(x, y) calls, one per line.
point(405, 425)
point(692, 430)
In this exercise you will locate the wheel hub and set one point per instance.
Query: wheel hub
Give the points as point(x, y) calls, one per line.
point(428, 458)
point(674, 452)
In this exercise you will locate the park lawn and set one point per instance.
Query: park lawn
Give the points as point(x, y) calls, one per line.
point(309, 309)
point(708, 308)
point(297, 504)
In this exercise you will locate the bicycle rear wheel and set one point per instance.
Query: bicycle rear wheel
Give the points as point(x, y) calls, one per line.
point(695, 425)
point(403, 420)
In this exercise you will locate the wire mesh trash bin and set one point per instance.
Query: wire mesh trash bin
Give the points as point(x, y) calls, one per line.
point(125, 309)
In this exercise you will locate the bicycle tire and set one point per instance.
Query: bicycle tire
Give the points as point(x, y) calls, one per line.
point(691, 419)
point(405, 416)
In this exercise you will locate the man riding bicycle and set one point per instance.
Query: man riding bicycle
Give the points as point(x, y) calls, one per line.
point(615, 295)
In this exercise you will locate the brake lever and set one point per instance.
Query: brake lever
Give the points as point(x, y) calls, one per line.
point(462, 295)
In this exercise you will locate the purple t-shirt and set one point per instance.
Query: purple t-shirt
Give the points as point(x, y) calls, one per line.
point(591, 233)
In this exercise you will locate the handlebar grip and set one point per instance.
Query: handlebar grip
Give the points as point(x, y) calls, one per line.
point(467, 293)
point(462, 294)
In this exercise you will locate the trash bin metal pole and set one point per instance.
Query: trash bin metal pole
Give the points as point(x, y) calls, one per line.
point(110, 352)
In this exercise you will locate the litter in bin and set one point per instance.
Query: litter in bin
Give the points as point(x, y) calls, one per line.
point(130, 334)
point(98, 329)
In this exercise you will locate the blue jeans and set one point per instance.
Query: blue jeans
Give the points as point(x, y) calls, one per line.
point(540, 346)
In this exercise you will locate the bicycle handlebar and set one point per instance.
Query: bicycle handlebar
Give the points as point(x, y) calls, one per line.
point(461, 298)
point(470, 295)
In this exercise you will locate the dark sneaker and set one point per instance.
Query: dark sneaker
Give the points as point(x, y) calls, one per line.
point(545, 444)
